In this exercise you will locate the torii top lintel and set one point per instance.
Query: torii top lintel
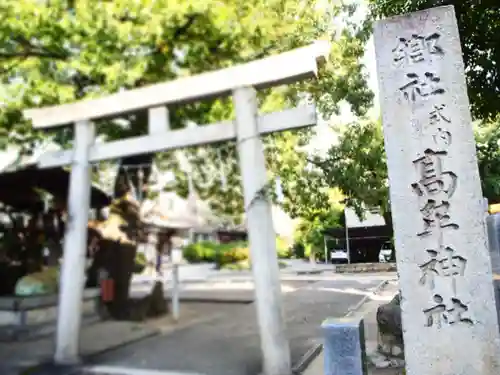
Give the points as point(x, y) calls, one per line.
point(271, 71)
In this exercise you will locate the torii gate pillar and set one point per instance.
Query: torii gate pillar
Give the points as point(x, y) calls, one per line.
point(261, 234)
point(240, 81)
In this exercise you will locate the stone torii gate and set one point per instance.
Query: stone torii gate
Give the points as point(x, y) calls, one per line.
point(240, 81)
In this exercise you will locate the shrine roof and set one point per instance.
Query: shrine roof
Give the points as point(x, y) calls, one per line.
point(18, 188)
point(378, 231)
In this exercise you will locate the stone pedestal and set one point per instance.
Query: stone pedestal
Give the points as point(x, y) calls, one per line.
point(449, 316)
point(344, 347)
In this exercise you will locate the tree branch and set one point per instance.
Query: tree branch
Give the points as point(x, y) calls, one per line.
point(32, 53)
point(30, 50)
point(316, 163)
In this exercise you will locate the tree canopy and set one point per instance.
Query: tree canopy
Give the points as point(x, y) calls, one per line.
point(309, 233)
point(59, 51)
point(356, 163)
point(488, 154)
point(479, 27)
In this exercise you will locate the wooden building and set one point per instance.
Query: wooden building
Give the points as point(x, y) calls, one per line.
point(363, 238)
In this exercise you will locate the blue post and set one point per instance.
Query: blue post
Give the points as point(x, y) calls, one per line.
point(493, 227)
point(344, 346)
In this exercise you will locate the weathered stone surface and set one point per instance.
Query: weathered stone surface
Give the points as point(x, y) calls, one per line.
point(344, 347)
point(365, 267)
point(448, 304)
point(24, 318)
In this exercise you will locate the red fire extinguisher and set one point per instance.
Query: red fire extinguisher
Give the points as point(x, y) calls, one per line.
point(107, 287)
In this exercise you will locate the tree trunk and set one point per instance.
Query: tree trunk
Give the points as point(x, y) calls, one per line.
point(121, 233)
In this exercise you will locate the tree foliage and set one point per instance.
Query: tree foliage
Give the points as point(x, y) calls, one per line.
point(61, 51)
point(488, 154)
point(479, 27)
point(309, 234)
point(357, 164)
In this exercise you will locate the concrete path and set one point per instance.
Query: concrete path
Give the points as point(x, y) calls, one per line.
point(96, 338)
point(368, 311)
point(229, 344)
point(205, 271)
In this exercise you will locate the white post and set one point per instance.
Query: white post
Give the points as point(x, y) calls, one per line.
point(347, 245)
point(176, 259)
point(175, 292)
point(274, 344)
point(72, 276)
point(152, 251)
point(326, 249)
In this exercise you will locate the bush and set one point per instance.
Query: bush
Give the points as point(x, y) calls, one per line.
point(234, 252)
point(299, 251)
point(229, 253)
point(140, 262)
point(284, 252)
point(204, 251)
point(219, 253)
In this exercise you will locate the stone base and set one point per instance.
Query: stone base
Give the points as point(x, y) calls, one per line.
point(365, 267)
point(25, 318)
point(390, 346)
point(379, 360)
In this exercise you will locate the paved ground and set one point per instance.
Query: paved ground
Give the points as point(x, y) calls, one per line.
point(17, 356)
point(206, 271)
point(368, 312)
point(229, 344)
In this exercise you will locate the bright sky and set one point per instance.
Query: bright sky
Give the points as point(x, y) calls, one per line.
point(325, 137)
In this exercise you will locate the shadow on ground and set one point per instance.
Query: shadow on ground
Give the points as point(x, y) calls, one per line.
point(229, 344)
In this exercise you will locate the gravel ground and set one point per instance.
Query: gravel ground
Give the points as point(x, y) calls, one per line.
point(229, 344)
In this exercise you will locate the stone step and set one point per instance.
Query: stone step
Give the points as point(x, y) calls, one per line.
point(31, 332)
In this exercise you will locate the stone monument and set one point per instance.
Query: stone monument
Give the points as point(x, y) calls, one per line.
point(450, 324)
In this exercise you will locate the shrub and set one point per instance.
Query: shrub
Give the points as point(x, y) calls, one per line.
point(219, 253)
point(190, 253)
point(200, 252)
point(140, 258)
point(284, 252)
point(299, 251)
point(207, 251)
point(140, 262)
point(232, 253)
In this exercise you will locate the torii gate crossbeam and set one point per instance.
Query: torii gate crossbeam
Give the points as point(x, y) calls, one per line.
point(240, 81)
